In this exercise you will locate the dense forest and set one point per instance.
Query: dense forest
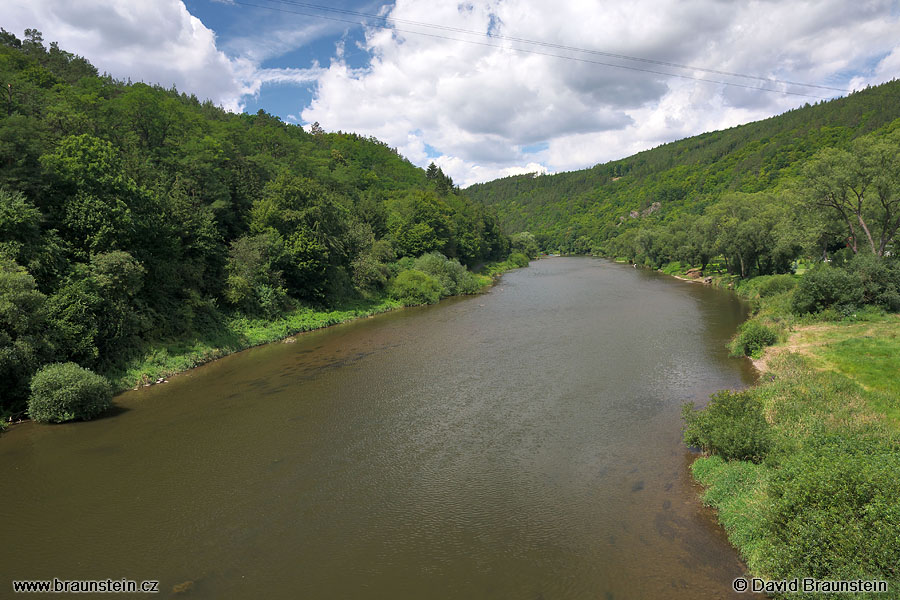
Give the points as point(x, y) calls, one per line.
point(131, 213)
point(811, 182)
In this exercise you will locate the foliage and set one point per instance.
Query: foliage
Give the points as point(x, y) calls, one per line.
point(23, 324)
point(835, 507)
point(64, 392)
point(752, 337)
point(525, 243)
point(745, 193)
point(824, 500)
point(412, 288)
point(776, 284)
point(518, 259)
point(827, 287)
point(453, 278)
point(861, 187)
point(135, 216)
point(731, 426)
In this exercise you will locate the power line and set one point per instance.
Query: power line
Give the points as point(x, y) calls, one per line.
point(560, 56)
point(558, 46)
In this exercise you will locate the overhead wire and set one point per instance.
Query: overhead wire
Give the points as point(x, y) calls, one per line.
point(557, 46)
point(548, 54)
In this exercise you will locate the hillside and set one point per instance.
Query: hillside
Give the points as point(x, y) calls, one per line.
point(583, 210)
point(132, 215)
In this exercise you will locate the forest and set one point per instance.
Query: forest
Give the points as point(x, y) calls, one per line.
point(815, 182)
point(132, 215)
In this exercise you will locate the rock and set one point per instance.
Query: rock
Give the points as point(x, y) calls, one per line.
point(651, 209)
point(694, 274)
point(290, 340)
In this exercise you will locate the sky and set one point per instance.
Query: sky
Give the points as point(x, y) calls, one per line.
point(489, 88)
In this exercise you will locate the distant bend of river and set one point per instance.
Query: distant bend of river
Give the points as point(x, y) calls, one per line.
point(521, 444)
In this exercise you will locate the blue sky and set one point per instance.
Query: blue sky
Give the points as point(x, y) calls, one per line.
point(235, 23)
point(488, 88)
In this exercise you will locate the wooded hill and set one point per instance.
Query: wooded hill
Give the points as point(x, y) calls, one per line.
point(663, 191)
point(131, 213)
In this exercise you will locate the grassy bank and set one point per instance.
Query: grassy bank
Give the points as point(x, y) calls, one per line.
point(163, 359)
point(819, 495)
point(166, 358)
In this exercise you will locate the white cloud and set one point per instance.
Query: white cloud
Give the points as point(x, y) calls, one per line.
point(157, 41)
point(488, 111)
point(481, 106)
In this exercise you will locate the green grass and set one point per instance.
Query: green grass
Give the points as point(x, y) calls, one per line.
point(864, 348)
point(737, 489)
point(165, 358)
point(872, 360)
point(825, 500)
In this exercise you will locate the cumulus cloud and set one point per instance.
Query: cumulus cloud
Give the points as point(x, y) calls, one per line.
point(157, 41)
point(477, 99)
point(482, 105)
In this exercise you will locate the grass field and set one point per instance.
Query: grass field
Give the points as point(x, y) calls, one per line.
point(866, 352)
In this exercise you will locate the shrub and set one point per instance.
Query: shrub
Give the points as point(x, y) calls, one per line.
point(827, 287)
point(834, 508)
point(412, 287)
point(65, 391)
point(518, 259)
point(454, 278)
point(752, 338)
point(732, 425)
point(878, 280)
point(776, 284)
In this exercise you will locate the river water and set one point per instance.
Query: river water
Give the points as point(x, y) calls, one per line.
point(521, 444)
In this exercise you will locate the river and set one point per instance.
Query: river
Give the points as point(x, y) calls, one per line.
point(521, 444)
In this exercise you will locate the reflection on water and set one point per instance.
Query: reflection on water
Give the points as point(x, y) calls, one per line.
point(520, 444)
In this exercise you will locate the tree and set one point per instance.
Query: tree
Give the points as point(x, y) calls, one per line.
point(861, 186)
point(98, 312)
point(24, 340)
point(92, 194)
point(255, 283)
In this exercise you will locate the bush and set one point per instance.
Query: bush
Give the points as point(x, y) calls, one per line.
point(454, 278)
point(518, 259)
point(776, 284)
point(878, 280)
point(752, 338)
point(412, 287)
point(827, 287)
point(732, 425)
point(835, 506)
point(65, 391)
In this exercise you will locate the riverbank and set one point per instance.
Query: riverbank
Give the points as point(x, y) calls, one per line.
point(414, 447)
point(823, 500)
point(165, 359)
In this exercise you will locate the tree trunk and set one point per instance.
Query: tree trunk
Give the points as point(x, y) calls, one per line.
point(868, 235)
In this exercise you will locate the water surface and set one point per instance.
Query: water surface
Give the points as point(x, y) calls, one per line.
point(520, 444)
